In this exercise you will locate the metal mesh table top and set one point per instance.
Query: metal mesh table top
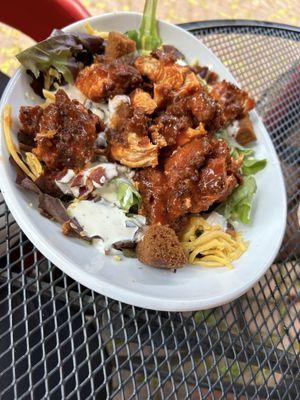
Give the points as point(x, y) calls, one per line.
point(60, 340)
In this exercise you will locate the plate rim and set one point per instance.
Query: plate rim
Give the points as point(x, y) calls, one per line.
point(112, 290)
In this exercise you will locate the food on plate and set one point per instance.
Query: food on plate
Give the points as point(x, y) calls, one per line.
point(160, 247)
point(207, 244)
point(135, 149)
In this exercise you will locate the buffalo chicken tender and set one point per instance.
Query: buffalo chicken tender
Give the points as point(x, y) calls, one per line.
point(235, 102)
point(118, 45)
point(106, 78)
point(66, 132)
point(161, 248)
point(166, 77)
point(128, 140)
point(141, 99)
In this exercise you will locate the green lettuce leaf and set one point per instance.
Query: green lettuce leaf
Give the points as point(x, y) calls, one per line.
point(147, 37)
point(63, 52)
point(251, 166)
point(56, 52)
point(239, 203)
point(127, 195)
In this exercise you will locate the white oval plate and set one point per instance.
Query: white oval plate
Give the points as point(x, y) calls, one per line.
point(191, 288)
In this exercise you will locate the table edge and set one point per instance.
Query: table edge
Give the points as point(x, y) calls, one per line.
point(223, 23)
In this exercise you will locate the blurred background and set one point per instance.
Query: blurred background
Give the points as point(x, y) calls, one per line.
point(176, 11)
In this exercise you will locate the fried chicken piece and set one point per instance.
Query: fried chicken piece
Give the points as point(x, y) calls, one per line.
point(119, 45)
point(138, 153)
point(30, 119)
point(166, 77)
point(214, 185)
point(206, 110)
point(168, 128)
point(152, 185)
point(162, 94)
point(182, 171)
point(141, 99)
point(190, 86)
point(128, 140)
point(185, 161)
point(235, 102)
point(67, 134)
point(195, 176)
point(190, 134)
point(93, 81)
point(161, 248)
point(106, 78)
point(149, 66)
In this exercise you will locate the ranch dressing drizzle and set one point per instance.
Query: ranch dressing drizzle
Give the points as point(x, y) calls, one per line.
point(103, 220)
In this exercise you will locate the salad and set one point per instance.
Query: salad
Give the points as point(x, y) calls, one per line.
point(135, 149)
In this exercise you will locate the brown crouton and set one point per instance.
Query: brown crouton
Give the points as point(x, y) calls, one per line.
point(161, 248)
point(245, 133)
point(118, 45)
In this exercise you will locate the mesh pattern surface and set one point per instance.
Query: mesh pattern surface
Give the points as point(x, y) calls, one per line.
point(60, 340)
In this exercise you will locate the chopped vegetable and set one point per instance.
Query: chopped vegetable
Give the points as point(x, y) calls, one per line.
point(239, 203)
point(252, 166)
point(127, 195)
point(147, 38)
point(59, 57)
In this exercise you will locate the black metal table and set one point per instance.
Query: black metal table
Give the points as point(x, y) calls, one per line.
point(60, 340)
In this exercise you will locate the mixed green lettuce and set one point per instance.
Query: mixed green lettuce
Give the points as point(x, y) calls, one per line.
point(239, 203)
point(59, 58)
point(128, 197)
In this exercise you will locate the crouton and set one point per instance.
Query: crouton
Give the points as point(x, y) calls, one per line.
point(142, 100)
point(161, 248)
point(118, 45)
point(245, 133)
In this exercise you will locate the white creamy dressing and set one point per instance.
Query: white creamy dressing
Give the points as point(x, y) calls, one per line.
point(104, 220)
point(99, 109)
point(217, 219)
point(74, 93)
point(181, 63)
point(109, 193)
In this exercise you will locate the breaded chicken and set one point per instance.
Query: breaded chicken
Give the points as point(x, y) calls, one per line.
point(67, 134)
point(128, 138)
point(142, 100)
point(107, 78)
point(235, 102)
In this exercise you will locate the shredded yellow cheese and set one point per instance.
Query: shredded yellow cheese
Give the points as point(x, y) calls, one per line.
point(209, 246)
point(49, 95)
point(10, 144)
point(91, 31)
point(34, 164)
